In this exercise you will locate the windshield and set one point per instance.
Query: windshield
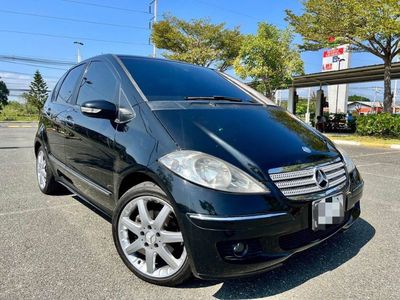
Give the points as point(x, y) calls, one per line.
point(163, 80)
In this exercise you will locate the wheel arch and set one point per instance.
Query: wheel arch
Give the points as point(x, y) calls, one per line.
point(37, 145)
point(135, 177)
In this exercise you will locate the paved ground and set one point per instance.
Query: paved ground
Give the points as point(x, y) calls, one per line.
point(56, 247)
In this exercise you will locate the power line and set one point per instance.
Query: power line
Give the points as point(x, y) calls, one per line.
point(107, 6)
point(20, 73)
point(37, 60)
point(33, 65)
point(72, 37)
point(70, 19)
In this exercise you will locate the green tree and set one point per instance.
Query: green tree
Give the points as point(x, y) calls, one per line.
point(4, 92)
point(38, 92)
point(269, 59)
point(358, 98)
point(198, 41)
point(368, 25)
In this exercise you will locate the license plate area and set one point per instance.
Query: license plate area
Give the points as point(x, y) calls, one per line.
point(327, 211)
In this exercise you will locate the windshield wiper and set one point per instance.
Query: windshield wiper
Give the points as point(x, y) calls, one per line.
point(226, 98)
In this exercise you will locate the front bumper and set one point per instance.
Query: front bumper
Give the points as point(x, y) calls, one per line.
point(272, 227)
point(270, 241)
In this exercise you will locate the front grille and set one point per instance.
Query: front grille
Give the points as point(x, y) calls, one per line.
point(303, 181)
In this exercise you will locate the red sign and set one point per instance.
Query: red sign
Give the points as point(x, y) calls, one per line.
point(333, 52)
point(331, 39)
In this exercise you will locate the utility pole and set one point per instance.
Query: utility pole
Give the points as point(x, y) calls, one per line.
point(78, 52)
point(153, 20)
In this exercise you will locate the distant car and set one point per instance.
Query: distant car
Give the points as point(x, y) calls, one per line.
point(201, 174)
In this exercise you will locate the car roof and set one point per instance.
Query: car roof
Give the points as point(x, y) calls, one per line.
point(127, 56)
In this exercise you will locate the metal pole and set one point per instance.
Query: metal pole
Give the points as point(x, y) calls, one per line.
point(78, 52)
point(308, 106)
point(337, 88)
point(278, 97)
point(395, 91)
point(155, 21)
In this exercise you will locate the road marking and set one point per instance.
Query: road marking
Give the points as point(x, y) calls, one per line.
point(378, 153)
point(20, 126)
point(367, 165)
point(36, 209)
point(383, 176)
point(395, 146)
point(344, 142)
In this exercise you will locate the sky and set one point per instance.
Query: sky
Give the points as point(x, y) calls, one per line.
point(124, 29)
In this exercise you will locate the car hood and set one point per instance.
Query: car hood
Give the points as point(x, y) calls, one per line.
point(252, 137)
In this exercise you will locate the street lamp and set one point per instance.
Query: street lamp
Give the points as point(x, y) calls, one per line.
point(78, 52)
point(337, 87)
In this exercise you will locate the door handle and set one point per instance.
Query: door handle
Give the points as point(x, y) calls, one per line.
point(69, 121)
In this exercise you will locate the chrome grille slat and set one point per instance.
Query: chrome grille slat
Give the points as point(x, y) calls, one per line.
point(336, 174)
point(294, 183)
point(332, 167)
point(300, 182)
point(292, 175)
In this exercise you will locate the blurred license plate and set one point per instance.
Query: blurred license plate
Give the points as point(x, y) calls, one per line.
point(327, 211)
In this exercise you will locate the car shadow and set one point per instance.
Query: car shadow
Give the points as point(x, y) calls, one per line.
point(303, 266)
point(93, 208)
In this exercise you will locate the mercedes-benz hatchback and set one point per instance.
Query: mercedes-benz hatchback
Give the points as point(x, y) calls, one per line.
point(201, 174)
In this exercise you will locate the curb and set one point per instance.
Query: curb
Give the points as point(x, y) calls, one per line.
point(344, 142)
point(18, 122)
point(354, 143)
point(20, 126)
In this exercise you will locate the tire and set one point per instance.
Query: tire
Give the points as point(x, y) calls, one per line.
point(145, 231)
point(44, 174)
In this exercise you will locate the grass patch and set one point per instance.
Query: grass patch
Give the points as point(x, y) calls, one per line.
point(15, 111)
point(373, 140)
point(20, 118)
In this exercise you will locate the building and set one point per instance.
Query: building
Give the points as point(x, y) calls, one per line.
point(364, 107)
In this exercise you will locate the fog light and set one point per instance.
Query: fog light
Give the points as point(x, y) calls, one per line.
point(239, 249)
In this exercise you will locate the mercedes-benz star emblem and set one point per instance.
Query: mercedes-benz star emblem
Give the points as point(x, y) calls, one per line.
point(320, 178)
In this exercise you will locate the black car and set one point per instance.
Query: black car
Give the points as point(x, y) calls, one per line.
point(201, 174)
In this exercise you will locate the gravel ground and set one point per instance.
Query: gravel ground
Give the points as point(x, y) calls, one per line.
point(56, 247)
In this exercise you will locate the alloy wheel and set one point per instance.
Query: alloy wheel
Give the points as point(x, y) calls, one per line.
point(41, 169)
point(150, 238)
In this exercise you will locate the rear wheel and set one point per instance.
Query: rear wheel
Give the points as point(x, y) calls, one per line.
point(45, 177)
point(147, 236)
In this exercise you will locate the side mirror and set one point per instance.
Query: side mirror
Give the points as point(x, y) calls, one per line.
point(99, 109)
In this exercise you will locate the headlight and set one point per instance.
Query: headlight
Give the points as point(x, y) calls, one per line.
point(211, 172)
point(348, 161)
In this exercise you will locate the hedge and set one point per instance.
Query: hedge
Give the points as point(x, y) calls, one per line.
point(383, 125)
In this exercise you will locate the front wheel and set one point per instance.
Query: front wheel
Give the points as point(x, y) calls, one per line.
point(147, 236)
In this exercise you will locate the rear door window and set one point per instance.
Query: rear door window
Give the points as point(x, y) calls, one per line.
point(66, 92)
